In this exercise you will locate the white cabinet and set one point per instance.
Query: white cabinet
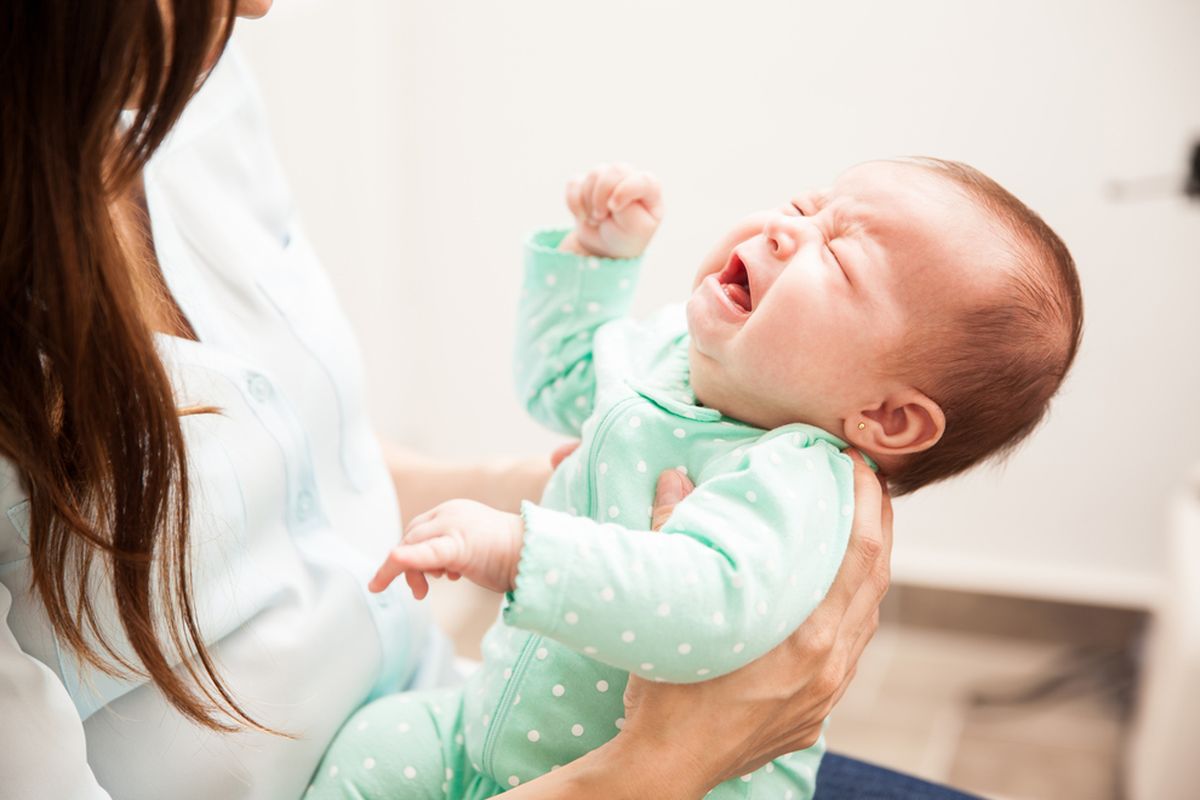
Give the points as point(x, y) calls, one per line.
point(1163, 763)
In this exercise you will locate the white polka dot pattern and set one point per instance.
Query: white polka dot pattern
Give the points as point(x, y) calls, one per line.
point(761, 536)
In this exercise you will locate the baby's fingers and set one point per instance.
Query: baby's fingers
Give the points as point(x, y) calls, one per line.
point(585, 197)
point(575, 197)
point(640, 186)
point(418, 584)
point(636, 222)
point(433, 554)
point(607, 177)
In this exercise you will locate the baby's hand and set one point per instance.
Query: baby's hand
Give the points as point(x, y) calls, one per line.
point(459, 537)
point(617, 210)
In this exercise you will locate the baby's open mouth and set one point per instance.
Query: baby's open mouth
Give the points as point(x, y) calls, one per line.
point(735, 282)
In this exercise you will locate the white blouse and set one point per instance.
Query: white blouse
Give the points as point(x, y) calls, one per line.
point(292, 507)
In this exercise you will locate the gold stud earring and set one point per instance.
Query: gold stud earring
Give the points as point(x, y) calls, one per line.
point(862, 426)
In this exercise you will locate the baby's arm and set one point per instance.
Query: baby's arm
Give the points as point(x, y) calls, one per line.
point(574, 283)
point(739, 565)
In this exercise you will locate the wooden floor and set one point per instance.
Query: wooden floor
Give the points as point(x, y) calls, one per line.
point(1056, 682)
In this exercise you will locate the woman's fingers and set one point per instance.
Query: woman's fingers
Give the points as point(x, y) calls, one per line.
point(866, 544)
point(865, 635)
point(672, 487)
point(868, 496)
point(778, 703)
point(864, 606)
point(633, 695)
point(863, 611)
point(887, 516)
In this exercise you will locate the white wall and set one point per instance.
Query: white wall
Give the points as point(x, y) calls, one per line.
point(425, 138)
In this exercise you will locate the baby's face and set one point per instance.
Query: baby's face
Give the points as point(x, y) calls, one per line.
point(795, 314)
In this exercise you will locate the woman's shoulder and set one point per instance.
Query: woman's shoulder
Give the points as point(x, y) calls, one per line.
point(229, 89)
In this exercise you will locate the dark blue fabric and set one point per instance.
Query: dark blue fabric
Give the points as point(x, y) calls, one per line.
point(842, 778)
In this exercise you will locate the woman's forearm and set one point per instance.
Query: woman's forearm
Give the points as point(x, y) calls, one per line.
point(622, 769)
point(422, 482)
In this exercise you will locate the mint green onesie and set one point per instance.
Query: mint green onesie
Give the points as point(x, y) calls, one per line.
point(739, 565)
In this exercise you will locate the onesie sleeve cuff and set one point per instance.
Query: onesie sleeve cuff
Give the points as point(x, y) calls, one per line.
point(536, 601)
point(605, 281)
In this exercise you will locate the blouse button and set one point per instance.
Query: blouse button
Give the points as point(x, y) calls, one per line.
point(260, 388)
point(304, 504)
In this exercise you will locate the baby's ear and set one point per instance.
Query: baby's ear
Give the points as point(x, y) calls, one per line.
point(907, 421)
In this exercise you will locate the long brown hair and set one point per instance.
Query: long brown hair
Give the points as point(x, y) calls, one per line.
point(87, 412)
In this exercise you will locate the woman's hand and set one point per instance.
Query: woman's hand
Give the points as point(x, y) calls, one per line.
point(778, 703)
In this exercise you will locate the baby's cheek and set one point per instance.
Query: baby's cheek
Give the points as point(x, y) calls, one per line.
point(799, 348)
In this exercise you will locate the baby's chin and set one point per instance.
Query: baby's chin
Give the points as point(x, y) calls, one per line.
point(698, 365)
point(714, 389)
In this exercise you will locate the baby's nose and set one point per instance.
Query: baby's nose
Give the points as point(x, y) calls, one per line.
point(781, 236)
point(785, 233)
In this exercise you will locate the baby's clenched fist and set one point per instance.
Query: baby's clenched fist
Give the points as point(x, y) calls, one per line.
point(617, 210)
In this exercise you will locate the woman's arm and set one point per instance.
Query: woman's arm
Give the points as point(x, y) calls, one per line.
point(776, 705)
point(502, 483)
point(625, 768)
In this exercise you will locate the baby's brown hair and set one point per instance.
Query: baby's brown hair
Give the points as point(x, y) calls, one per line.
point(994, 367)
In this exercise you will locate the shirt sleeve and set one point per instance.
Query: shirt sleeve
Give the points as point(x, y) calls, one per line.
point(43, 751)
point(564, 299)
point(740, 564)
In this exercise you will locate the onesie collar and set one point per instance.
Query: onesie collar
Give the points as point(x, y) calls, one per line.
point(669, 385)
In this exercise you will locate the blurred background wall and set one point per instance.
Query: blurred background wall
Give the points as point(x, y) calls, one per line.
point(424, 139)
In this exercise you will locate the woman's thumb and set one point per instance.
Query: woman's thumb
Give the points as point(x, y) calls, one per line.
point(672, 487)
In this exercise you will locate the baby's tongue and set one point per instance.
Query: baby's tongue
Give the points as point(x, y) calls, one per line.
point(738, 294)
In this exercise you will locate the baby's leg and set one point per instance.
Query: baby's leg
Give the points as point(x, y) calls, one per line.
point(399, 746)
